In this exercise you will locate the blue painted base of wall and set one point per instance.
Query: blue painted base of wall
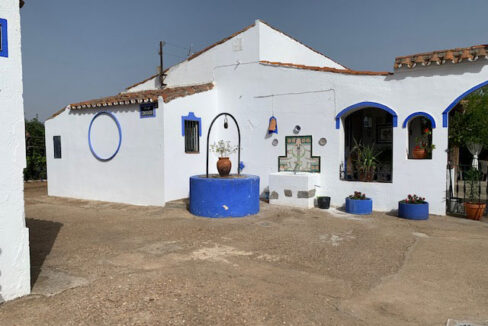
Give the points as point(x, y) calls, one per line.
point(224, 197)
point(413, 211)
point(358, 206)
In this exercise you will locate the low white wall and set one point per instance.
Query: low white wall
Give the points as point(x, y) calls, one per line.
point(133, 176)
point(14, 236)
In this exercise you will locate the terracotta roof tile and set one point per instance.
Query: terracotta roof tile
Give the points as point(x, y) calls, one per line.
point(168, 95)
point(327, 69)
point(454, 56)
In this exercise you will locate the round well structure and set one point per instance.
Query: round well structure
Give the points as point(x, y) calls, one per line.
point(233, 196)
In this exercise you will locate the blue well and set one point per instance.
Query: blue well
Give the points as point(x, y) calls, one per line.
point(234, 196)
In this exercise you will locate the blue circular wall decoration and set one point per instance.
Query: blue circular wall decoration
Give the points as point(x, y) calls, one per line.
point(111, 115)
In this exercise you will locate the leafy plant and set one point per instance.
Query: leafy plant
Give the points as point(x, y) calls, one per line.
point(366, 157)
point(469, 124)
point(424, 141)
point(223, 148)
point(414, 199)
point(472, 177)
point(358, 196)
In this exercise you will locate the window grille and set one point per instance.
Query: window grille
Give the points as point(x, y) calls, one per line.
point(192, 139)
point(57, 146)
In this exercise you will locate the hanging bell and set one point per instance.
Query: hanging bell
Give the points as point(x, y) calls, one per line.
point(226, 123)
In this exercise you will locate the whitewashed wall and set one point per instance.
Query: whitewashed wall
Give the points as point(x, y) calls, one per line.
point(253, 92)
point(179, 166)
point(14, 236)
point(260, 42)
point(276, 46)
point(312, 99)
point(133, 176)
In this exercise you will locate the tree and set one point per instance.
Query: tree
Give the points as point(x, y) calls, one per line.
point(35, 150)
point(470, 124)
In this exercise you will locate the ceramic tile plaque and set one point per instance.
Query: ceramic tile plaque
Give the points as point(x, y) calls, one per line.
point(299, 155)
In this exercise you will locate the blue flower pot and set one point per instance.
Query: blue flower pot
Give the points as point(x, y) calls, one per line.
point(413, 211)
point(359, 206)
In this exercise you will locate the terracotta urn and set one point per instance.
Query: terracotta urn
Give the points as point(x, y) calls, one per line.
point(419, 153)
point(474, 211)
point(366, 175)
point(223, 166)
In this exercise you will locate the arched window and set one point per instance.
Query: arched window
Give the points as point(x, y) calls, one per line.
point(368, 144)
point(420, 144)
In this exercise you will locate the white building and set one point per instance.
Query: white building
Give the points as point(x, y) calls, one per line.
point(14, 236)
point(146, 152)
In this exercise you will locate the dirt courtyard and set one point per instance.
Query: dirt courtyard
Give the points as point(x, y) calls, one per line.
point(97, 263)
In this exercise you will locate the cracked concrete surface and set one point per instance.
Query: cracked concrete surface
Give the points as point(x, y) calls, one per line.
point(99, 263)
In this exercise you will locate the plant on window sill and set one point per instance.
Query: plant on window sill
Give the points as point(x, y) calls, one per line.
point(366, 160)
point(423, 145)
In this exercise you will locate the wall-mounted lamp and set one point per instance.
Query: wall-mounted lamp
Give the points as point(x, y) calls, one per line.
point(297, 129)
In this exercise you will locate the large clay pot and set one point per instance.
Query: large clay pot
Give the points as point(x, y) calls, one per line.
point(474, 211)
point(223, 166)
point(419, 153)
point(366, 176)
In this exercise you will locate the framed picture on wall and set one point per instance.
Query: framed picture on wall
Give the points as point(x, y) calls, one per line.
point(384, 134)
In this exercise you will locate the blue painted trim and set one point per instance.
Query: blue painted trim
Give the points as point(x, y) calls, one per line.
point(417, 114)
point(365, 105)
point(191, 117)
point(4, 26)
point(145, 105)
point(111, 115)
point(445, 113)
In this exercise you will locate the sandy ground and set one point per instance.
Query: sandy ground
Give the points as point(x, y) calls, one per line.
point(97, 263)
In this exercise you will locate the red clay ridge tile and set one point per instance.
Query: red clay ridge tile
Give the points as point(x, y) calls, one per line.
point(327, 69)
point(454, 56)
point(168, 95)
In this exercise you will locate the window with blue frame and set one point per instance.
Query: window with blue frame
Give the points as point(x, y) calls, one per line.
point(148, 110)
point(3, 38)
point(191, 130)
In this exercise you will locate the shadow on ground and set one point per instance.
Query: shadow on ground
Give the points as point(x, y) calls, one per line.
point(42, 236)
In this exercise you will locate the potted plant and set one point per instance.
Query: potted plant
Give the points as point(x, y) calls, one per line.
point(366, 160)
point(358, 203)
point(414, 208)
point(223, 149)
point(423, 145)
point(473, 206)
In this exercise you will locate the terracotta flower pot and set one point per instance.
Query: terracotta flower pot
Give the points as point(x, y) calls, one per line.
point(366, 176)
point(474, 211)
point(223, 166)
point(419, 153)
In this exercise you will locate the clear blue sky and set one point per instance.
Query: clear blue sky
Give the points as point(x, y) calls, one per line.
point(79, 50)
